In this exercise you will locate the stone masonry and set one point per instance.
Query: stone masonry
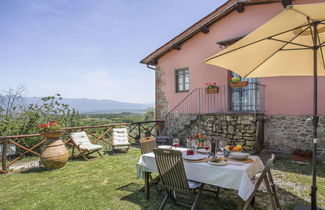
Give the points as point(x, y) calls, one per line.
point(282, 133)
point(238, 128)
point(285, 133)
point(161, 101)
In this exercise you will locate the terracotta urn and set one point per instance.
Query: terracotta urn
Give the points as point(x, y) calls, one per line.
point(54, 153)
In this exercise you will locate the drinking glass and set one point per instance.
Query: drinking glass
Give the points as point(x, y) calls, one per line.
point(175, 143)
point(189, 143)
point(194, 144)
point(207, 145)
point(222, 145)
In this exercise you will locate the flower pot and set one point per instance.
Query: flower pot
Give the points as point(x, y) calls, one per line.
point(54, 154)
point(299, 158)
point(239, 84)
point(212, 90)
point(53, 134)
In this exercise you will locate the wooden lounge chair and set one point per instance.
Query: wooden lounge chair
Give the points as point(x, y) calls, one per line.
point(81, 142)
point(148, 144)
point(265, 176)
point(172, 174)
point(120, 139)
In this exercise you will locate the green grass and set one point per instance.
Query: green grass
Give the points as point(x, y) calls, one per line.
point(111, 183)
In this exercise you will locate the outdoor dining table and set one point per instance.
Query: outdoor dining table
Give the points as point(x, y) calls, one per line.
point(236, 175)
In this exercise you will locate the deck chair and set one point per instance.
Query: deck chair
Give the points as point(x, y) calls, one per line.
point(265, 176)
point(170, 165)
point(148, 144)
point(120, 139)
point(81, 142)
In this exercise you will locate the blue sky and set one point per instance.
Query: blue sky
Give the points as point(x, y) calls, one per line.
point(89, 48)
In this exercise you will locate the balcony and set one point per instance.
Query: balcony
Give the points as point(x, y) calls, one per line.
point(249, 99)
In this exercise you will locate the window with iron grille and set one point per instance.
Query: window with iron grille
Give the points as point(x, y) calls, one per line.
point(182, 79)
point(246, 99)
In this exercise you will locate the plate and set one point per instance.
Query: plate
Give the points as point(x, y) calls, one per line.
point(221, 163)
point(239, 155)
point(165, 147)
point(202, 151)
point(194, 157)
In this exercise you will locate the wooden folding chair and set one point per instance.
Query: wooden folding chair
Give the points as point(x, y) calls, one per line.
point(172, 173)
point(265, 176)
point(81, 142)
point(148, 144)
point(120, 139)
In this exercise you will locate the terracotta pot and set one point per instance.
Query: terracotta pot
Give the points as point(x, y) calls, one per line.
point(300, 158)
point(53, 134)
point(54, 154)
point(239, 84)
point(212, 90)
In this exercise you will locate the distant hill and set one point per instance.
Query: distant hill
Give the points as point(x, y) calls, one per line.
point(93, 106)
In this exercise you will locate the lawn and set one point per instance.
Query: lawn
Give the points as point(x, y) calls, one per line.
point(110, 183)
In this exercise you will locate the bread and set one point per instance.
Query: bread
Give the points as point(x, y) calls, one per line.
point(216, 159)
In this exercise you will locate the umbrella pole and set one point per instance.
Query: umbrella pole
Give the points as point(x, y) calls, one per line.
point(315, 123)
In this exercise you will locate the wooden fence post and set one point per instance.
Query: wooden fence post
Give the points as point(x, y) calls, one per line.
point(4, 154)
point(139, 131)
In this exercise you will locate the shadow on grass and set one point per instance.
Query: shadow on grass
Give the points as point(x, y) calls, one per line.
point(288, 165)
point(114, 152)
point(227, 199)
point(82, 159)
point(35, 170)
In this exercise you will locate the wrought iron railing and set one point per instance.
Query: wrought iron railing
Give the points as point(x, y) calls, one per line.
point(137, 130)
point(245, 99)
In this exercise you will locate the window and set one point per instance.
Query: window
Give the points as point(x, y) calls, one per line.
point(246, 98)
point(182, 80)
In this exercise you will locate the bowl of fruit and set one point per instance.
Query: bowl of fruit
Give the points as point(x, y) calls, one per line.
point(237, 148)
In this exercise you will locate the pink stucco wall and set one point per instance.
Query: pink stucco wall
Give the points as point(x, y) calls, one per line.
point(283, 95)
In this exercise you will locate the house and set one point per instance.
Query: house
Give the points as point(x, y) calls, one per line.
point(270, 113)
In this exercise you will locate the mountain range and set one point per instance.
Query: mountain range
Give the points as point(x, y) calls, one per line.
point(94, 106)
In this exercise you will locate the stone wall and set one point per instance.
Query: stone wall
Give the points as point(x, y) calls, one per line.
point(161, 101)
point(285, 133)
point(239, 128)
point(282, 134)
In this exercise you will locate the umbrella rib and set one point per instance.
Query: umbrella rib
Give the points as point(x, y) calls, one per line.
point(321, 50)
point(294, 9)
point(293, 43)
point(275, 53)
point(257, 42)
point(296, 49)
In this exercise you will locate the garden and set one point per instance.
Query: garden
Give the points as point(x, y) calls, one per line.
point(110, 182)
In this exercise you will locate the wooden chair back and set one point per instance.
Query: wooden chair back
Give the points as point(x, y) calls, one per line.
point(270, 186)
point(148, 144)
point(171, 170)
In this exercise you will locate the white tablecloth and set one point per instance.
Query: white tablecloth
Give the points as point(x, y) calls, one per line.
point(231, 176)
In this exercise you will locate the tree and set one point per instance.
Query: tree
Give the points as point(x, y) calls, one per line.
point(149, 114)
point(18, 118)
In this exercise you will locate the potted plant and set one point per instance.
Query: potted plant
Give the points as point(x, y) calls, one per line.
point(236, 83)
point(54, 154)
point(211, 88)
point(51, 130)
point(301, 155)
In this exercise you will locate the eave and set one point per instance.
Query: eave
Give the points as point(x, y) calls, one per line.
point(203, 26)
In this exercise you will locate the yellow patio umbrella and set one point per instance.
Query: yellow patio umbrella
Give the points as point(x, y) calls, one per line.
point(290, 44)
